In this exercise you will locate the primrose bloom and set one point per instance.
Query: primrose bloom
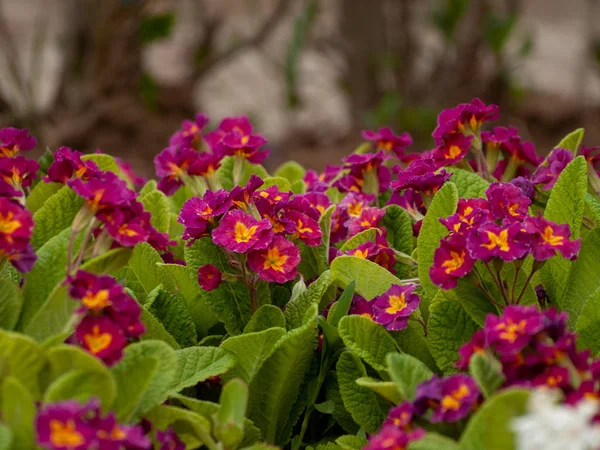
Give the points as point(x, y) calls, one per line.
point(465, 118)
point(318, 201)
point(235, 136)
point(393, 308)
point(386, 140)
point(172, 165)
point(493, 241)
point(101, 337)
point(469, 213)
point(278, 262)
point(421, 176)
point(547, 175)
point(241, 197)
point(525, 185)
point(388, 438)
point(368, 168)
point(169, 440)
point(369, 218)
point(190, 133)
point(62, 426)
point(96, 292)
point(19, 171)
point(510, 143)
point(209, 277)
point(361, 307)
point(514, 330)
point(507, 201)
point(475, 345)
point(451, 261)
point(126, 169)
point(109, 191)
point(8, 191)
point(339, 218)
point(452, 150)
point(355, 203)
point(306, 228)
point(16, 227)
point(111, 435)
point(401, 417)
point(320, 182)
point(198, 213)
point(547, 238)
point(239, 232)
point(451, 398)
point(13, 140)
point(68, 164)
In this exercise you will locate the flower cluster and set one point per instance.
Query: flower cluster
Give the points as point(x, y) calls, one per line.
point(17, 174)
point(70, 426)
point(110, 318)
point(498, 228)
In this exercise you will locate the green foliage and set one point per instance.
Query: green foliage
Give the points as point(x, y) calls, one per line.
point(371, 279)
point(11, 302)
point(399, 228)
point(487, 372)
point(18, 413)
point(468, 184)
point(157, 204)
point(407, 372)
point(265, 317)
point(291, 170)
point(297, 308)
point(171, 311)
point(156, 27)
point(367, 339)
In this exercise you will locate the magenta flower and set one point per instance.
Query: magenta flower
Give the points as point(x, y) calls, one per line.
point(507, 201)
point(320, 182)
point(126, 169)
point(393, 308)
point(96, 292)
point(209, 277)
point(339, 232)
point(61, 426)
point(172, 165)
point(553, 377)
point(19, 171)
point(386, 140)
point(547, 175)
point(525, 185)
point(361, 307)
point(459, 396)
point(68, 164)
point(368, 168)
point(401, 417)
point(8, 191)
point(109, 191)
point(242, 196)
point(101, 337)
point(273, 196)
point(507, 242)
point(465, 118)
point(452, 150)
point(369, 218)
point(13, 140)
point(239, 232)
point(205, 165)
point(469, 213)
point(190, 133)
point(16, 227)
point(278, 262)
point(514, 330)
point(451, 261)
point(355, 203)
point(306, 228)
point(475, 345)
point(169, 440)
point(234, 136)
point(421, 176)
point(548, 238)
point(388, 438)
point(197, 214)
point(409, 200)
point(508, 141)
point(110, 435)
point(366, 250)
point(318, 201)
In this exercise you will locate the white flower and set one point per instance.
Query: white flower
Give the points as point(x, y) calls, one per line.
point(551, 426)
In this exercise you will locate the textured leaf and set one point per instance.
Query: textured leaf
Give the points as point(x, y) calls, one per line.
point(6, 437)
point(21, 358)
point(39, 194)
point(362, 237)
point(66, 358)
point(360, 402)
point(225, 172)
point(487, 373)
point(572, 141)
point(157, 204)
point(108, 262)
point(411, 341)
point(399, 228)
point(588, 324)
point(443, 205)
point(474, 302)
point(296, 309)
point(54, 316)
point(274, 390)
point(229, 421)
point(82, 386)
point(367, 339)
point(150, 186)
point(18, 412)
point(468, 184)
point(10, 304)
point(298, 187)
point(282, 183)
point(489, 428)
point(144, 377)
point(196, 364)
point(407, 372)
point(265, 317)
point(104, 162)
point(433, 441)
point(290, 170)
point(386, 389)
point(371, 279)
point(351, 442)
point(192, 428)
point(565, 205)
point(155, 330)
point(170, 310)
point(340, 414)
point(341, 307)
point(251, 350)
point(55, 215)
point(449, 327)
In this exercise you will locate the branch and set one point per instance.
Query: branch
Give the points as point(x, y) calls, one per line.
point(258, 38)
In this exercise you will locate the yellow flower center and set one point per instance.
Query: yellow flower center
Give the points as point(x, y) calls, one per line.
point(397, 304)
point(385, 145)
point(242, 233)
point(354, 209)
point(455, 262)
point(498, 240)
point(98, 300)
point(300, 228)
point(116, 434)
point(7, 151)
point(245, 140)
point(65, 434)
point(512, 209)
point(452, 400)
point(361, 253)
point(549, 237)
point(97, 341)
point(511, 330)
point(453, 152)
point(8, 224)
point(274, 260)
point(125, 230)
point(391, 444)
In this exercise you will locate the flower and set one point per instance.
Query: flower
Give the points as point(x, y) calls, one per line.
point(126, 169)
point(514, 330)
point(525, 185)
point(452, 150)
point(509, 142)
point(507, 201)
point(101, 337)
point(368, 169)
point(8, 191)
point(306, 228)
point(241, 197)
point(13, 140)
point(361, 307)
point(234, 136)
point(493, 241)
point(469, 213)
point(110, 435)
point(339, 218)
point(452, 398)
point(169, 440)
point(197, 214)
point(172, 165)
point(547, 238)
point(209, 277)
point(320, 183)
point(100, 193)
point(61, 426)
point(19, 171)
point(68, 164)
point(16, 228)
point(548, 173)
point(465, 118)
point(386, 140)
point(318, 200)
point(475, 345)
point(388, 438)
point(369, 218)
point(278, 262)
point(451, 261)
point(239, 232)
point(421, 176)
point(355, 202)
point(189, 134)
point(395, 305)
point(401, 418)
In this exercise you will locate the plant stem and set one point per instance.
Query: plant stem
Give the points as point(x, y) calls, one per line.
point(525, 287)
point(514, 285)
point(86, 238)
point(497, 280)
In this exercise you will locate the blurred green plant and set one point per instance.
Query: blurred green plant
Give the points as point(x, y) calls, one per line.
point(155, 27)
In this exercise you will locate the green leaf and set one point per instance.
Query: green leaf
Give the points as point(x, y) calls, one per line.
point(443, 205)
point(487, 373)
point(367, 339)
point(298, 187)
point(225, 172)
point(196, 364)
point(156, 27)
point(186, 281)
point(433, 441)
point(53, 317)
point(82, 386)
point(18, 412)
point(588, 324)
point(157, 204)
point(360, 238)
point(489, 428)
point(411, 341)
point(360, 402)
point(565, 205)
point(282, 183)
point(265, 317)
point(10, 304)
point(170, 310)
point(6, 437)
point(273, 391)
point(371, 279)
point(407, 372)
point(192, 428)
point(251, 350)
point(291, 170)
point(229, 426)
point(468, 184)
point(475, 303)
point(448, 329)
point(351, 442)
point(296, 309)
point(104, 162)
point(387, 389)
point(149, 187)
point(340, 308)
point(144, 377)
point(340, 414)
point(21, 358)
point(572, 141)
point(399, 228)
point(315, 260)
point(155, 330)
point(55, 215)
point(108, 262)
point(39, 194)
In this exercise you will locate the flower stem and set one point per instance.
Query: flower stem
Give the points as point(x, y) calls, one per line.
point(525, 287)
point(497, 281)
point(514, 285)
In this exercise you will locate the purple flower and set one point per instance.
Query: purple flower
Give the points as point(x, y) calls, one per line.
point(386, 140)
point(509, 141)
point(367, 169)
point(102, 337)
point(393, 308)
point(547, 238)
point(475, 345)
point(234, 136)
point(452, 150)
point(514, 330)
point(318, 200)
point(16, 228)
point(459, 395)
point(13, 140)
point(196, 214)
point(339, 232)
point(242, 196)
point(172, 165)
point(189, 134)
point(277, 263)
point(547, 175)
point(169, 440)
point(209, 277)
point(60, 427)
point(469, 213)
point(239, 232)
point(421, 176)
point(306, 228)
point(525, 185)
point(127, 171)
point(109, 191)
point(369, 218)
point(361, 307)
point(507, 242)
point(465, 118)
point(68, 164)
point(355, 202)
point(19, 171)
point(451, 261)
point(401, 417)
point(110, 435)
point(507, 201)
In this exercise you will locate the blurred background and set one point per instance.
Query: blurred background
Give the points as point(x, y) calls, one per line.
point(121, 75)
